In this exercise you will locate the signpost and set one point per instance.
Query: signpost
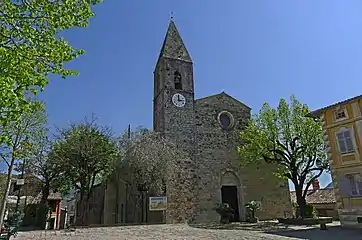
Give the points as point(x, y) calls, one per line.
point(20, 182)
point(158, 203)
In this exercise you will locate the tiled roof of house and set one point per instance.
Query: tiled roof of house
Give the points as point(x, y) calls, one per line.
point(318, 196)
point(55, 196)
point(318, 112)
point(52, 196)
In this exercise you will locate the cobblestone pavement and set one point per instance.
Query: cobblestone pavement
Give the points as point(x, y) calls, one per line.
point(185, 232)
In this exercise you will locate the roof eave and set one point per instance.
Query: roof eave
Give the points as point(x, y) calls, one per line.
point(314, 114)
point(317, 113)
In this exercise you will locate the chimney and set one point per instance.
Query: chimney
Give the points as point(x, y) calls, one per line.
point(315, 184)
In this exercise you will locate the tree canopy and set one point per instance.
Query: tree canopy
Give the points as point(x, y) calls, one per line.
point(156, 166)
point(85, 153)
point(150, 157)
point(288, 139)
point(31, 48)
point(23, 135)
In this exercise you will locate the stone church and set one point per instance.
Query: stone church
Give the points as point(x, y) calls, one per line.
point(208, 130)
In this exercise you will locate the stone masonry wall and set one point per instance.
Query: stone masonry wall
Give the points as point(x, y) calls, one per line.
point(216, 154)
point(177, 125)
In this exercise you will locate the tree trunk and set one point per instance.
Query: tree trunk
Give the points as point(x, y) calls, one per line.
point(8, 185)
point(45, 193)
point(85, 220)
point(301, 202)
point(83, 210)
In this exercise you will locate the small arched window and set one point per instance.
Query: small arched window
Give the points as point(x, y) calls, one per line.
point(177, 80)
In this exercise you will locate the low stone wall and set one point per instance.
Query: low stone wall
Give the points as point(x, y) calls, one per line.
point(306, 221)
point(351, 218)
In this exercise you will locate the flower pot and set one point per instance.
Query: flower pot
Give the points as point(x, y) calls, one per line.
point(225, 212)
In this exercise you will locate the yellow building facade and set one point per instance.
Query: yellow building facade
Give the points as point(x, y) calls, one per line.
point(342, 129)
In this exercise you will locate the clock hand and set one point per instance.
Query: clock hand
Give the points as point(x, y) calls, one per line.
point(178, 98)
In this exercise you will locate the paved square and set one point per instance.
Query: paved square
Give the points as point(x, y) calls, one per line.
point(185, 232)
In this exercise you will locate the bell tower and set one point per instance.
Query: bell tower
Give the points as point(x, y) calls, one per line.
point(174, 117)
point(174, 91)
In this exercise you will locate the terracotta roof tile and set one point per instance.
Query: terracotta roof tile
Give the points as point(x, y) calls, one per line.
point(54, 196)
point(315, 197)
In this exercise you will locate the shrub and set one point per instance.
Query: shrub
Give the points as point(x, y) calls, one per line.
point(309, 211)
point(251, 208)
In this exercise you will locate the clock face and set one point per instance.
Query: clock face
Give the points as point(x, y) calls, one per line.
point(178, 100)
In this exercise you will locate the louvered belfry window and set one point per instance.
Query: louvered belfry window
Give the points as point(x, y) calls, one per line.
point(177, 80)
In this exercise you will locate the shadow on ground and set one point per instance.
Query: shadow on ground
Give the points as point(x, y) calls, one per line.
point(260, 226)
point(332, 233)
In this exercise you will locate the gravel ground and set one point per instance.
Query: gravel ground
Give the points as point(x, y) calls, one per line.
point(185, 232)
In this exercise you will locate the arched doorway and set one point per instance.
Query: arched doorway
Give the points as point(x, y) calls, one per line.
point(231, 193)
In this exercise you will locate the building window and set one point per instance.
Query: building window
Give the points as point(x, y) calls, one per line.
point(340, 114)
point(177, 80)
point(345, 141)
point(226, 120)
point(355, 184)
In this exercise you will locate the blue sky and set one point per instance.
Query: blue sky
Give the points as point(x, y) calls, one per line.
point(256, 51)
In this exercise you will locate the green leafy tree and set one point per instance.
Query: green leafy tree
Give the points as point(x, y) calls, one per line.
point(31, 49)
point(287, 139)
point(24, 134)
point(87, 153)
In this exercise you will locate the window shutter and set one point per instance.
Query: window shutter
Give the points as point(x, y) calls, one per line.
point(348, 139)
point(352, 184)
point(342, 146)
point(347, 134)
point(340, 136)
point(341, 143)
point(344, 186)
point(349, 145)
point(359, 184)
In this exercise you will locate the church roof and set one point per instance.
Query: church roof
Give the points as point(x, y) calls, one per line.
point(173, 46)
point(223, 94)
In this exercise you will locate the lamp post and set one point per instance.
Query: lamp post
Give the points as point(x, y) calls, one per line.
point(20, 182)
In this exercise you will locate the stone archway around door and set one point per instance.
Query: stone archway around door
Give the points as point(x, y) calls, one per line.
point(231, 193)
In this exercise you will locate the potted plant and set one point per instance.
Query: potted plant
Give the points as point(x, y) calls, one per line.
point(252, 207)
point(225, 212)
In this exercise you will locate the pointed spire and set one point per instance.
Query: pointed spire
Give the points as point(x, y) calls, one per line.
point(173, 46)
